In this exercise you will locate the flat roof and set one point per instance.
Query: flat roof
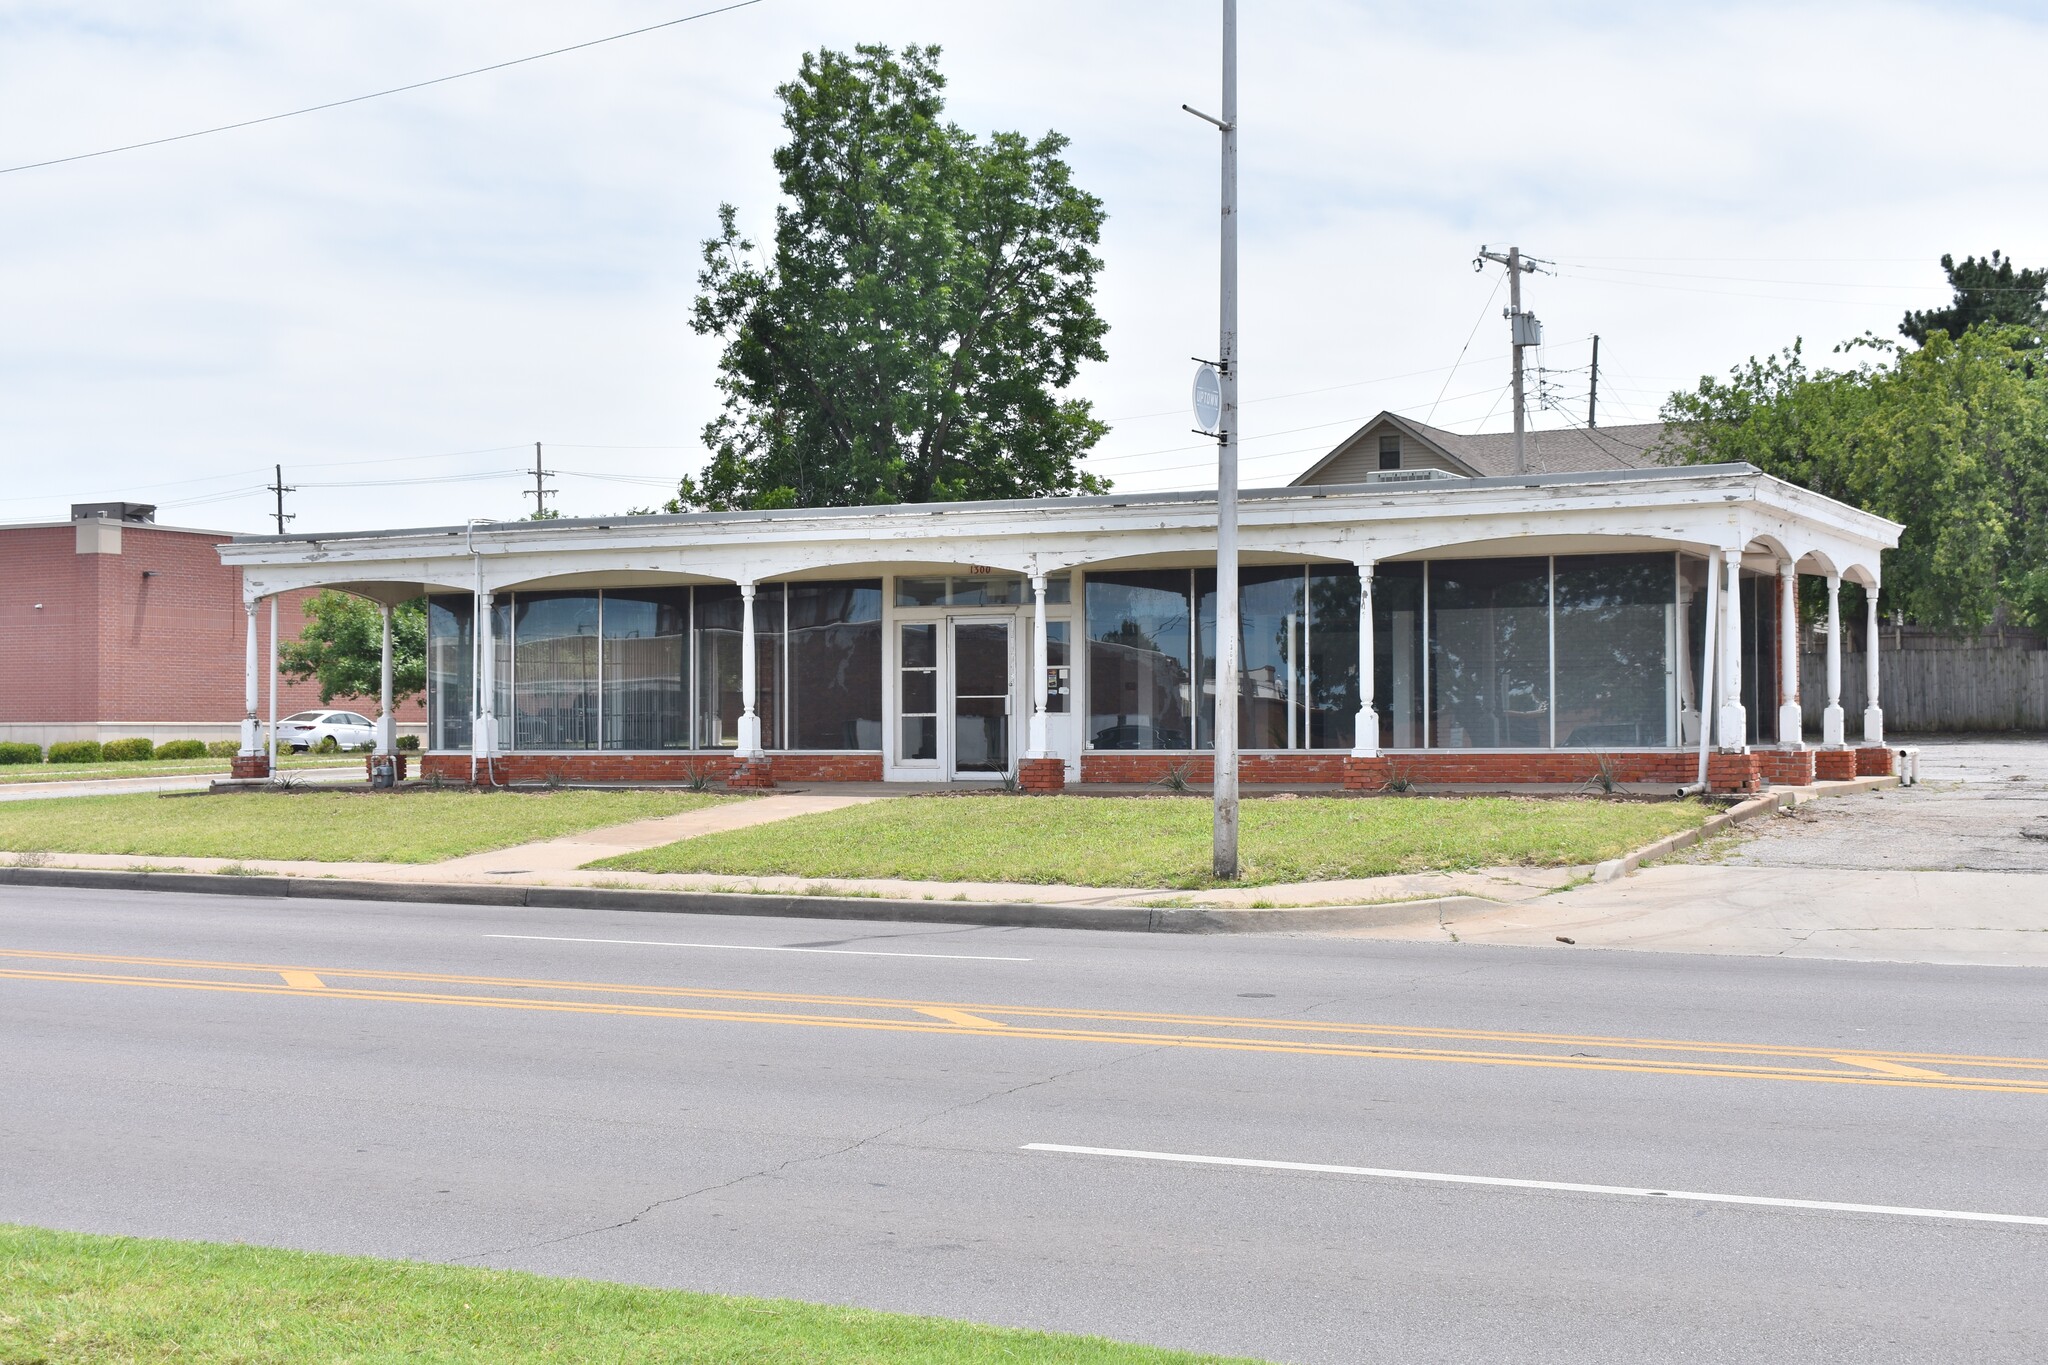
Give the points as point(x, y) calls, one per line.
point(1432, 488)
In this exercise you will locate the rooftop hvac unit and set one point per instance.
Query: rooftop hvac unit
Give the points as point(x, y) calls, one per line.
point(1528, 331)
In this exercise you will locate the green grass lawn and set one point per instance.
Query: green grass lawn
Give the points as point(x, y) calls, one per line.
point(379, 827)
point(169, 767)
point(74, 1299)
point(1112, 841)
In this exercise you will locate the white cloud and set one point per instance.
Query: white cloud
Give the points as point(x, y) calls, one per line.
point(511, 257)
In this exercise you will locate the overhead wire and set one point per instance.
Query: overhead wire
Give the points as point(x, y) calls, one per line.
point(375, 94)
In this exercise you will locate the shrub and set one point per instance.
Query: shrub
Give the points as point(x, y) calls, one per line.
point(328, 745)
point(76, 751)
point(410, 743)
point(127, 750)
point(182, 748)
point(21, 753)
point(224, 748)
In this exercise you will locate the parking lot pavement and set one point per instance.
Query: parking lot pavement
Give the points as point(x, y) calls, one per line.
point(1954, 870)
point(1981, 806)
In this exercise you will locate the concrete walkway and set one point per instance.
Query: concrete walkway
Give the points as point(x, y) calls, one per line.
point(574, 850)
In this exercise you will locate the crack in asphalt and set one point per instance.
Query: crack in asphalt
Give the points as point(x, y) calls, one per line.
point(781, 1166)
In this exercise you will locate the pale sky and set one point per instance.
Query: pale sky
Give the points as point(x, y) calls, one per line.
point(420, 287)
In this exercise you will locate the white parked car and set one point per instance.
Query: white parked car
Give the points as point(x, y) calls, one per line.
point(308, 728)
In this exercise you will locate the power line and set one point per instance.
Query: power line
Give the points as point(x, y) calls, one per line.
point(1477, 323)
point(375, 94)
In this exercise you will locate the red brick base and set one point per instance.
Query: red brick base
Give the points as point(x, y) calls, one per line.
point(1042, 776)
point(1834, 765)
point(671, 768)
point(752, 775)
point(1367, 774)
point(250, 765)
point(1787, 767)
point(1734, 772)
point(1874, 761)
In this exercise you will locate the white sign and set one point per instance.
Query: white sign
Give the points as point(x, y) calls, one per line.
point(1208, 398)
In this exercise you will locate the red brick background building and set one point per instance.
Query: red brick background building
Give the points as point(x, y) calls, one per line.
point(112, 626)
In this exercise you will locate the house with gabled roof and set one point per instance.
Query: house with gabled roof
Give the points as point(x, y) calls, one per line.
point(1391, 442)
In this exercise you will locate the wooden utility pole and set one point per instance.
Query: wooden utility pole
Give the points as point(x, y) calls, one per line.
point(278, 488)
point(1593, 394)
point(1524, 330)
point(540, 490)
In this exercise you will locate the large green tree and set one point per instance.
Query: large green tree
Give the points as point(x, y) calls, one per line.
point(342, 648)
point(928, 298)
point(1951, 440)
point(1990, 292)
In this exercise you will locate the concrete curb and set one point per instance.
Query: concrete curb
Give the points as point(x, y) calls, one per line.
point(998, 914)
point(1782, 798)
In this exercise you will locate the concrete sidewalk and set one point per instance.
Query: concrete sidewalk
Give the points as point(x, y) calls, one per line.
point(176, 782)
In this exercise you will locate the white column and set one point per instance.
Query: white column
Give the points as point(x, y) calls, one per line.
point(1832, 728)
point(1733, 730)
point(1873, 714)
point(1037, 744)
point(251, 745)
point(273, 686)
point(1365, 737)
point(1790, 723)
point(483, 738)
point(750, 719)
point(387, 733)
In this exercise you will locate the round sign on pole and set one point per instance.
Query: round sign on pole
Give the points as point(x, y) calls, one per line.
point(1208, 398)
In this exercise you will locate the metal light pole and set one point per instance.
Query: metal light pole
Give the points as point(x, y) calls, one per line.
point(1225, 842)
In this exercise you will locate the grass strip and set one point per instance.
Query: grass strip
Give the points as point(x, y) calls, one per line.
point(12, 773)
point(317, 826)
point(1144, 842)
point(77, 1299)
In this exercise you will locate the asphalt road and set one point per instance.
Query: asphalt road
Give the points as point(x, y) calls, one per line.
point(851, 1126)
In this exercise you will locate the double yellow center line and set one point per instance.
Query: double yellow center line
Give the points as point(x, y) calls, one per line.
point(1052, 1023)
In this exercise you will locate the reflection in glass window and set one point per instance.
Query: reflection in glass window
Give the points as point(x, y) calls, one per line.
point(451, 670)
point(1489, 654)
point(1616, 623)
point(718, 625)
point(1272, 657)
point(646, 668)
point(835, 665)
point(1333, 656)
point(1138, 660)
point(989, 590)
point(554, 662)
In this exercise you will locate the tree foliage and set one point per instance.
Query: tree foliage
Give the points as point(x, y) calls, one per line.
point(1990, 292)
point(1951, 440)
point(928, 297)
point(342, 647)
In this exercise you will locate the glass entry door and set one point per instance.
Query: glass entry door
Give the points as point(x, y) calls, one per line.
point(981, 697)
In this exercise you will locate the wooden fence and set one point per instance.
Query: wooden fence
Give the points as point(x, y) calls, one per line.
point(1977, 688)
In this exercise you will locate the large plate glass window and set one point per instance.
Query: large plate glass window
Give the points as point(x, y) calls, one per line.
point(1489, 626)
point(835, 665)
point(1139, 679)
point(554, 670)
point(646, 668)
point(451, 670)
point(1616, 626)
